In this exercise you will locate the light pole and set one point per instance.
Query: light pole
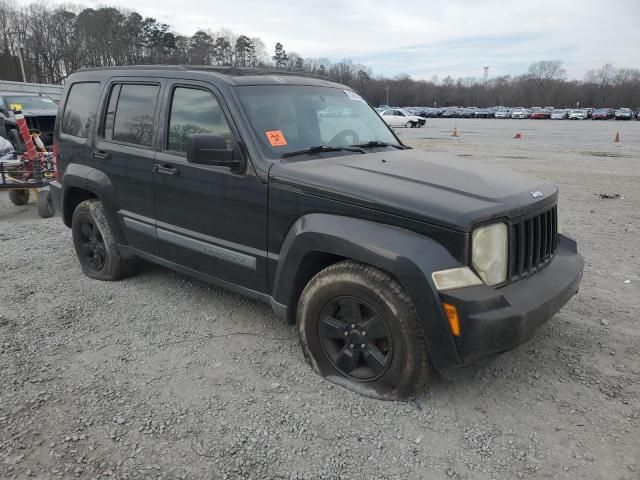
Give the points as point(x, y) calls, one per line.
point(386, 87)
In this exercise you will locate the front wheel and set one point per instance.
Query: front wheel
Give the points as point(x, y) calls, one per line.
point(95, 243)
point(45, 204)
point(359, 329)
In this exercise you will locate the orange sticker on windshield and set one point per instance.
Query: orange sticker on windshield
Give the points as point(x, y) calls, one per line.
point(276, 138)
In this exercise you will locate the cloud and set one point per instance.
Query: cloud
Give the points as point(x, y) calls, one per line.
point(423, 38)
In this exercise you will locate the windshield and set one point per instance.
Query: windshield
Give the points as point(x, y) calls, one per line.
point(290, 118)
point(15, 102)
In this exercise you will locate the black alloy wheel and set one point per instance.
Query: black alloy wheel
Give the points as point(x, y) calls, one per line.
point(92, 246)
point(355, 338)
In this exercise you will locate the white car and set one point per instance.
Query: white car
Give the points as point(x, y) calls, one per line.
point(521, 113)
point(503, 113)
point(578, 114)
point(624, 114)
point(559, 114)
point(397, 117)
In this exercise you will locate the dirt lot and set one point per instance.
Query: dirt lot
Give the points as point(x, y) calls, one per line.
point(161, 376)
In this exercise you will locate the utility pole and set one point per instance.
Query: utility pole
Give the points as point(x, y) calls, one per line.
point(24, 77)
point(20, 54)
point(486, 75)
point(386, 88)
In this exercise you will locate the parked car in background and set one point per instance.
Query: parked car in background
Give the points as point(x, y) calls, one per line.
point(602, 114)
point(624, 114)
point(521, 113)
point(466, 113)
point(538, 115)
point(578, 114)
point(484, 113)
point(398, 117)
point(503, 113)
point(450, 113)
point(559, 114)
point(39, 111)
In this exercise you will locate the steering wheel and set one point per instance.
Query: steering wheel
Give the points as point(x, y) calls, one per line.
point(340, 138)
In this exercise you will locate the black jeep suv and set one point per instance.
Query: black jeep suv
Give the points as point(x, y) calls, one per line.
point(391, 261)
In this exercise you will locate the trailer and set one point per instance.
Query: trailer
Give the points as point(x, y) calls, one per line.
point(30, 172)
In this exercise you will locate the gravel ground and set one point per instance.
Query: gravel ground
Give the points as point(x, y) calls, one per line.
point(161, 376)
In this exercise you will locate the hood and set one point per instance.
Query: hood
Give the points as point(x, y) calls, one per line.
point(432, 187)
point(39, 112)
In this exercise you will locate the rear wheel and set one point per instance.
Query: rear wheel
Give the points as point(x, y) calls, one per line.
point(359, 329)
point(409, 124)
point(95, 244)
point(45, 204)
point(19, 196)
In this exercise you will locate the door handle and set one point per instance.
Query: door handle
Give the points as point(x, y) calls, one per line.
point(165, 169)
point(100, 155)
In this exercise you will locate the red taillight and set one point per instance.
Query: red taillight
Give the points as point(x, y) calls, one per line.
point(55, 161)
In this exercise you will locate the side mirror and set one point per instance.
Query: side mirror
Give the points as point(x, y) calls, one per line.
point(208, 149)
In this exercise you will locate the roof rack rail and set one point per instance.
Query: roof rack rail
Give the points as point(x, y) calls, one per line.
point(231, 70)
point(224, 70)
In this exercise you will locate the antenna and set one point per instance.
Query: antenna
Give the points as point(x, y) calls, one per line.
point(486, 74)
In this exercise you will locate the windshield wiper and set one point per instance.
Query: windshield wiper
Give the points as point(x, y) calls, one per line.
point(378, 143)
point(324, 148)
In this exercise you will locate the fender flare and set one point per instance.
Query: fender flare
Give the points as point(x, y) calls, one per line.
point(407, 256)
point(83, 177)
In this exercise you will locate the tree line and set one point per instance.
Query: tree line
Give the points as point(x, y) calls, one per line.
point(55, 41)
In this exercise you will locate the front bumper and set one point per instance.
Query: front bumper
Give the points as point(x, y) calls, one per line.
point(55, 190)
point(493, 320)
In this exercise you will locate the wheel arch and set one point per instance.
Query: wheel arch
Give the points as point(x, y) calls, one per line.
point(80, 183)
point(316, 241)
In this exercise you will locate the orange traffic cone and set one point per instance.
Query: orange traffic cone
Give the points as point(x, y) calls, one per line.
point(617, 139)
point(455, 131)
point(518, 136)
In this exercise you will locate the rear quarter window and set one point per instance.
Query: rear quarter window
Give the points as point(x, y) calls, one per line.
point(80, 110)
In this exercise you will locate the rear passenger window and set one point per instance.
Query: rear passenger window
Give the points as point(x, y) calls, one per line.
point(80, 110)
point(194, 111)
point(130, 114)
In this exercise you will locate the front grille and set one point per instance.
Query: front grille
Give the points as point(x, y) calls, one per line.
point(533, 243)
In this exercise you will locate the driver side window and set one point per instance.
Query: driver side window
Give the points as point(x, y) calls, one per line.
point(195, 111)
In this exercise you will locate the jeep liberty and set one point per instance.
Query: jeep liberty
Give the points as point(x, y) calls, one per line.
point(392, 262)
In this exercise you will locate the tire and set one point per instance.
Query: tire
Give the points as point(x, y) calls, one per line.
point(45, 204)
point(19, 196)
point(95, 244)
point(409, 124)
point(390, 361)
point(16, 140)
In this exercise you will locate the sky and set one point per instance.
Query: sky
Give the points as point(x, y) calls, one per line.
point(422, 38)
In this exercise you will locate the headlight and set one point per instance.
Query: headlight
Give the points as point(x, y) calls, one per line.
point(489, 253)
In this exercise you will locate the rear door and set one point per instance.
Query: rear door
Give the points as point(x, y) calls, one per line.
point(124, 151)
point(209, 219)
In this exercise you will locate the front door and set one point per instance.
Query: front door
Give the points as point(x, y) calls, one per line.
point(209, 219)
